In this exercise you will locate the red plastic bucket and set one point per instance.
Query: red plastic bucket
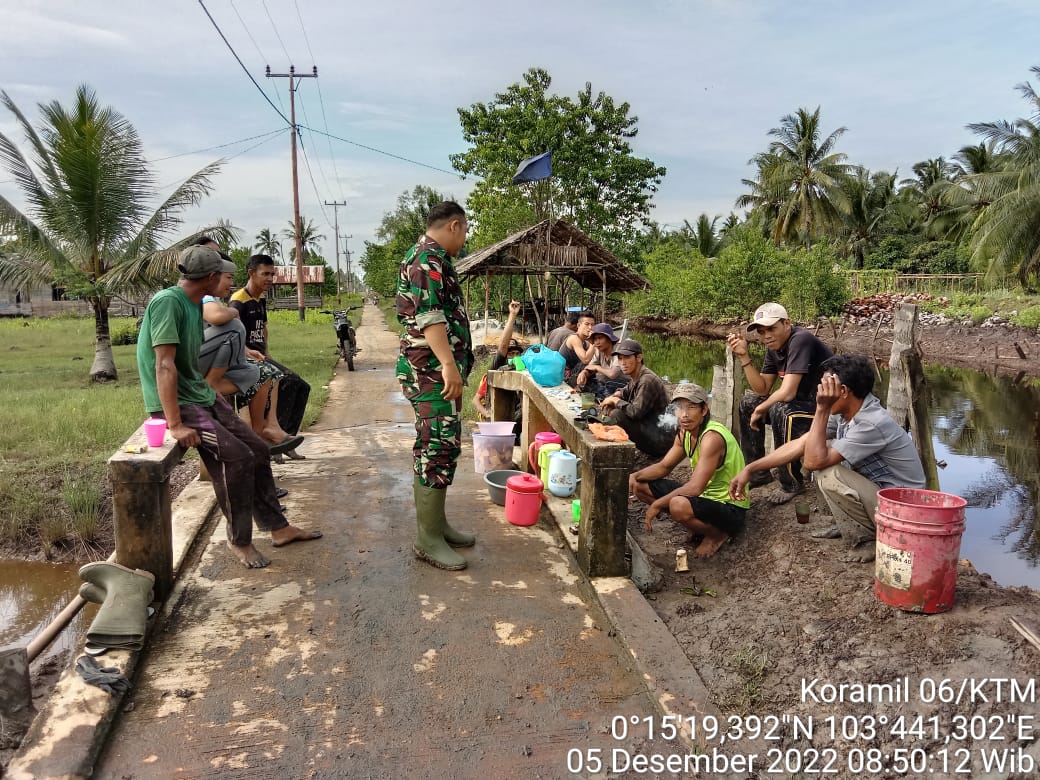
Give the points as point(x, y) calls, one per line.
point(918, 544)
point(523, 499)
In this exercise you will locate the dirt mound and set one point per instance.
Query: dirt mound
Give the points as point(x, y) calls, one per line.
point(787, 612)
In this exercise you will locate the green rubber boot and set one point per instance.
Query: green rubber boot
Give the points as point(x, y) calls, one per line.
point(454, 537)
point(120, 623)
point(430, 545)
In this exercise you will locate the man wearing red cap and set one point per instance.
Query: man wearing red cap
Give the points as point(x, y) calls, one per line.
point(795, 356)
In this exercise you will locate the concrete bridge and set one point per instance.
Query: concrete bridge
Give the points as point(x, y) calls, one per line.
point(349, 658)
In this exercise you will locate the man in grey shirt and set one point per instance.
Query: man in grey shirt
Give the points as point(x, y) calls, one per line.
point(855, 448)
point(557, 337)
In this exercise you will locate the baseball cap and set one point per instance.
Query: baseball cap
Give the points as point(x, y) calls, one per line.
point(629, 347)
point(197, 262)
point(604, 329)
point(767, 314)
point(693, 393)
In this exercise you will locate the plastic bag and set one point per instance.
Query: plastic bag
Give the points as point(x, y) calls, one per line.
point(544, 365)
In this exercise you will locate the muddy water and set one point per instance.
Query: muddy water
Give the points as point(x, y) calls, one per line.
point(986, 429)
point(31, 595)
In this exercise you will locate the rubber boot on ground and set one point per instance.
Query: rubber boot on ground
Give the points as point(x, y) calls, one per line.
point(430, 545)
point(453, 536)
point(120, 622)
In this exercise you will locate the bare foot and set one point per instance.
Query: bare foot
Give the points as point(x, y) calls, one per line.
point(248, 556)
point(273, 435)
point(861, 553)
point(290, 534)
point(782, 496)
point(710, 545)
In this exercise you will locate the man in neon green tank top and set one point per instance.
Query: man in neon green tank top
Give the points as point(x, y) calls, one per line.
point(703, 503)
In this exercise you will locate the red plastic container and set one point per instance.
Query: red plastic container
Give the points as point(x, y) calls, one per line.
point(523, 499)
point(918, 544)
point(545, 437)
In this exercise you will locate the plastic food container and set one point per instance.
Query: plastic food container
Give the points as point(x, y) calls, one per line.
point(523, 499)
point(492, 452)
point(499, 428)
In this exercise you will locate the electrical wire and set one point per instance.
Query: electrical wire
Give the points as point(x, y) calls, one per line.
point(380, 151)
point(239, 60)
point(277, 94)
point(307, 119)
point(232, 157)
point(277, 34)
point(314, 186)
point(219, 146)
point(321, 102)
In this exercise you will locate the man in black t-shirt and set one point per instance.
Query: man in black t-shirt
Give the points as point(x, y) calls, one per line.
point(795, 356)
point(251, 302)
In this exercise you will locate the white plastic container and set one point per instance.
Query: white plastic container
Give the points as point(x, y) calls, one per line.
point(492, 452)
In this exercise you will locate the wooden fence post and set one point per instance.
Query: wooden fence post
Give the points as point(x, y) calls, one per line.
point(727, 384)
point(907, 393)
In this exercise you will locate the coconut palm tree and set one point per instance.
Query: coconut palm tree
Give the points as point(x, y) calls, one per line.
point(1006, 237)
point(267, 244)
point(805, 173)
point(867, 199)
point(703, 236)
point(309, 238)
point(929, 179)
point(87, 225)
point(962, 200)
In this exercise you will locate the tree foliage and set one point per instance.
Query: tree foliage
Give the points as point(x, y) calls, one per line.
point(598, 183)
point(398, 231)
point(88, 226)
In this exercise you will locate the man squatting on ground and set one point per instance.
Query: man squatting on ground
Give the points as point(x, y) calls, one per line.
point(703, 504)
point(796, 356)
point(855, 448)
point(173, 387)
point(436, 358)
point(639, 406)
point(290, 401)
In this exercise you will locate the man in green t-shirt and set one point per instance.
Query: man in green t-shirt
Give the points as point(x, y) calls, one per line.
point(174, 389)
point(703, 503)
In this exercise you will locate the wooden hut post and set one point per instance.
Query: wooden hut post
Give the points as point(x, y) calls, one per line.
point(907, 393)
point(603, 305)
point(487, 301)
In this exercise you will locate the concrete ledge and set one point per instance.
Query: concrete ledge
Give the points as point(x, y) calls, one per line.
point(675, 687)
point(69, 733)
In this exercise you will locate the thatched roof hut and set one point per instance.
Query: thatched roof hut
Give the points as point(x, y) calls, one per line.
point(557, 250)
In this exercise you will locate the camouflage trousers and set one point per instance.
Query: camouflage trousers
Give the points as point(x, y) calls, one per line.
point(438, 436)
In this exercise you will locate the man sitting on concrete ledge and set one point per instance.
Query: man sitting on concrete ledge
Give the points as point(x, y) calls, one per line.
point(703, 503)
point(639, 406)
point(238, 460)
point(854, 447)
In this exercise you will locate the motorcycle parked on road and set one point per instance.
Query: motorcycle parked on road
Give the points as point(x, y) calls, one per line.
point(348, 347)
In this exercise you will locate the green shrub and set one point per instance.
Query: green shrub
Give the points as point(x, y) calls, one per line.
point(1028, 318)
point(980, 314)
point(123, 332)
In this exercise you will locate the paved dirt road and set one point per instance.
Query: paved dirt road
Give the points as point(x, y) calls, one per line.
point(349, 658)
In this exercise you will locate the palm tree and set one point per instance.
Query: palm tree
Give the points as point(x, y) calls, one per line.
point(867, 199)
point(309, 238)
point(87, 226)
point(805, 175)
point(930, 179)
point(963, 200)
point(1007, 232)
point(267, 244)
point(703, 236)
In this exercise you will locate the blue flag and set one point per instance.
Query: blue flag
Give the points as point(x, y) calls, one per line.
point(534, 168)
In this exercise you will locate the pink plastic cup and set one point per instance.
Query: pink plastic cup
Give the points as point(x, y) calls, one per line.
point(155, 431)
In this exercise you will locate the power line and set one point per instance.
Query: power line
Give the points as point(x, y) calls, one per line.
point(232, 157)
point(310, 175)
point(321, 102)
point(307, 119)
point(241, 64)
point(220, 146)
point(277, 34)
point(277, 94)
point(380, 151)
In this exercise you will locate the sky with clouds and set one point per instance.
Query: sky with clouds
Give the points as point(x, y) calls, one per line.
point(707, 79)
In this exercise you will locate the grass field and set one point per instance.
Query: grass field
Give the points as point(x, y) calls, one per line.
point(59, 429)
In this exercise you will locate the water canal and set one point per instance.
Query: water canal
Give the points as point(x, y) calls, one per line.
point(986, 429)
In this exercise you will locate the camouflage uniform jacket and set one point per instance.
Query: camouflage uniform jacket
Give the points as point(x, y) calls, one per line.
point(429, 292)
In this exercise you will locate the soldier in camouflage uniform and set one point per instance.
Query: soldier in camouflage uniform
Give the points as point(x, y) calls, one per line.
point(436, 358)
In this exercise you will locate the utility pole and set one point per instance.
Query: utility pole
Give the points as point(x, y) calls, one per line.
point(346, 252)
point(335, 210)
point(292, 75)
